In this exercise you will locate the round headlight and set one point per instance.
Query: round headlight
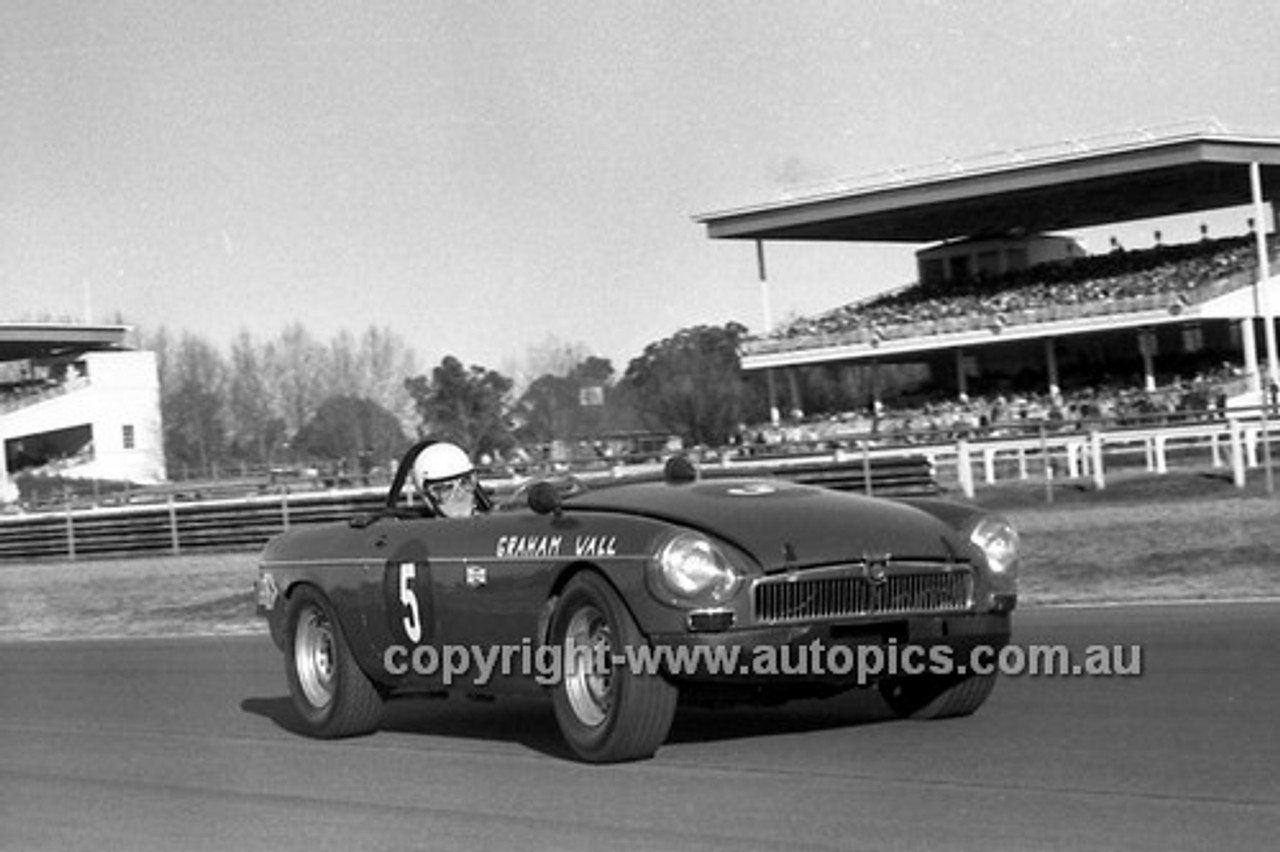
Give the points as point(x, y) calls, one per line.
point(690, 567)
point(998, 540)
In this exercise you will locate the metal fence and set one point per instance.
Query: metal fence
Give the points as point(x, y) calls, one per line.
point(246, 523)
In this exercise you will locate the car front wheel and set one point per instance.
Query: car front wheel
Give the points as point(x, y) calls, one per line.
point(333, 696)
point(607, 712)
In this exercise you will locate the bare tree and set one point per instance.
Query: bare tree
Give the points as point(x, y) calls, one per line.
point(256, 425)
point(194, 378)
point(298, 365)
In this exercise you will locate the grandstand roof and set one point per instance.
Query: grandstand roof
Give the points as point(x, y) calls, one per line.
point(22, 340)
point(1075, 184)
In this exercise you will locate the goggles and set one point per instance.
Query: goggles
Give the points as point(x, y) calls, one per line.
point(443, 492)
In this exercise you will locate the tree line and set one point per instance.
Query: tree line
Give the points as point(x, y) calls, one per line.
point(359, 400)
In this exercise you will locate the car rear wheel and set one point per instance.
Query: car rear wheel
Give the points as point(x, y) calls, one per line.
point(932, 697)
point(606, 712)
point(333, 696)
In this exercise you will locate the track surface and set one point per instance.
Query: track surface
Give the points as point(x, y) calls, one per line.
point(186, 744)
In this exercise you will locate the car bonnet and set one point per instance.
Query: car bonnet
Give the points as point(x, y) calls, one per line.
point(785, 525)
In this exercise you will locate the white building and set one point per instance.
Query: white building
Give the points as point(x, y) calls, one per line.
point(74, 405)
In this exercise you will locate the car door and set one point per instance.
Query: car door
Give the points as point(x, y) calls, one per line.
point(464, 595)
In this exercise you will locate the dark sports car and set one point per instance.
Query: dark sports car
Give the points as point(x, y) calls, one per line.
point(623, 600)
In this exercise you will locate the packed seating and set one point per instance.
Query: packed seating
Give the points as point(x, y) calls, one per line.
point(1159, 277)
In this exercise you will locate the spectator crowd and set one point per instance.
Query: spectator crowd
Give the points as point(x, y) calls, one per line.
point(1156, 277)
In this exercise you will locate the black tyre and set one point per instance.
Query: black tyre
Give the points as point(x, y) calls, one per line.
point(932, 697)
point(606, 713)
point(333, 696)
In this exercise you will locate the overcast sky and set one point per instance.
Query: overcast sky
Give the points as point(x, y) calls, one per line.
point(478, 176)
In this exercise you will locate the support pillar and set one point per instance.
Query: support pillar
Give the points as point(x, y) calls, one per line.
point(1147, 348)
point(877, 407)
point(774, 417)
point(962, 376)
point(766, 311)
point(797, 404)
point(1051, 367)
point(1249, 342)
point(1262, 288)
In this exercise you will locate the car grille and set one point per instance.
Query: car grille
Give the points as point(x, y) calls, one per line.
point(858, 591)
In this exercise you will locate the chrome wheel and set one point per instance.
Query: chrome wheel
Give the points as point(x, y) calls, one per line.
point(333, 696)
point(313, 657)
point(606, 712)
point(589, 675)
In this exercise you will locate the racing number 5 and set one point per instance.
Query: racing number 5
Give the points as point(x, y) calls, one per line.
point(413, 618)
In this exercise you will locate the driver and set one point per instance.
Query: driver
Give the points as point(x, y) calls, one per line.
point(446, 479)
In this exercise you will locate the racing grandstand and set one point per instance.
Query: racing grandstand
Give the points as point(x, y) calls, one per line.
point(1008, 303)
point(76, 403)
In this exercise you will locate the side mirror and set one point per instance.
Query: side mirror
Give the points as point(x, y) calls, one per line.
point(544, 498)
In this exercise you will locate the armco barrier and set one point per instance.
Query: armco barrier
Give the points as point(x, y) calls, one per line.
point(247, 523)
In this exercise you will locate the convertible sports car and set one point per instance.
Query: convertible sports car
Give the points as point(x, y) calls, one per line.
point(623, 600)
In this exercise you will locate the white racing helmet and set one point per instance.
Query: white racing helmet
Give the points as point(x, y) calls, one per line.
point(445, 477)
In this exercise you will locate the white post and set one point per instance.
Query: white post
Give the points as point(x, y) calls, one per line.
point(1237, 453)
point(1073, 459)
point(964, 468)
point(1095, 445)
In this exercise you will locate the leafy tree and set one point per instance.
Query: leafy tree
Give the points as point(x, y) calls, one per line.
point(546, 409)
point(350, 427)
point(466, 405)
point(571, 406)
point(691, 383)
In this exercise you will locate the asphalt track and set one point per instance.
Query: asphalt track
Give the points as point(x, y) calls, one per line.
point(187, 744)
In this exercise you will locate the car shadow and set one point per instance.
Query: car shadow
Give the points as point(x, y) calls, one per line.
point(853, 709)
point(530, 721)
point(279, 710)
